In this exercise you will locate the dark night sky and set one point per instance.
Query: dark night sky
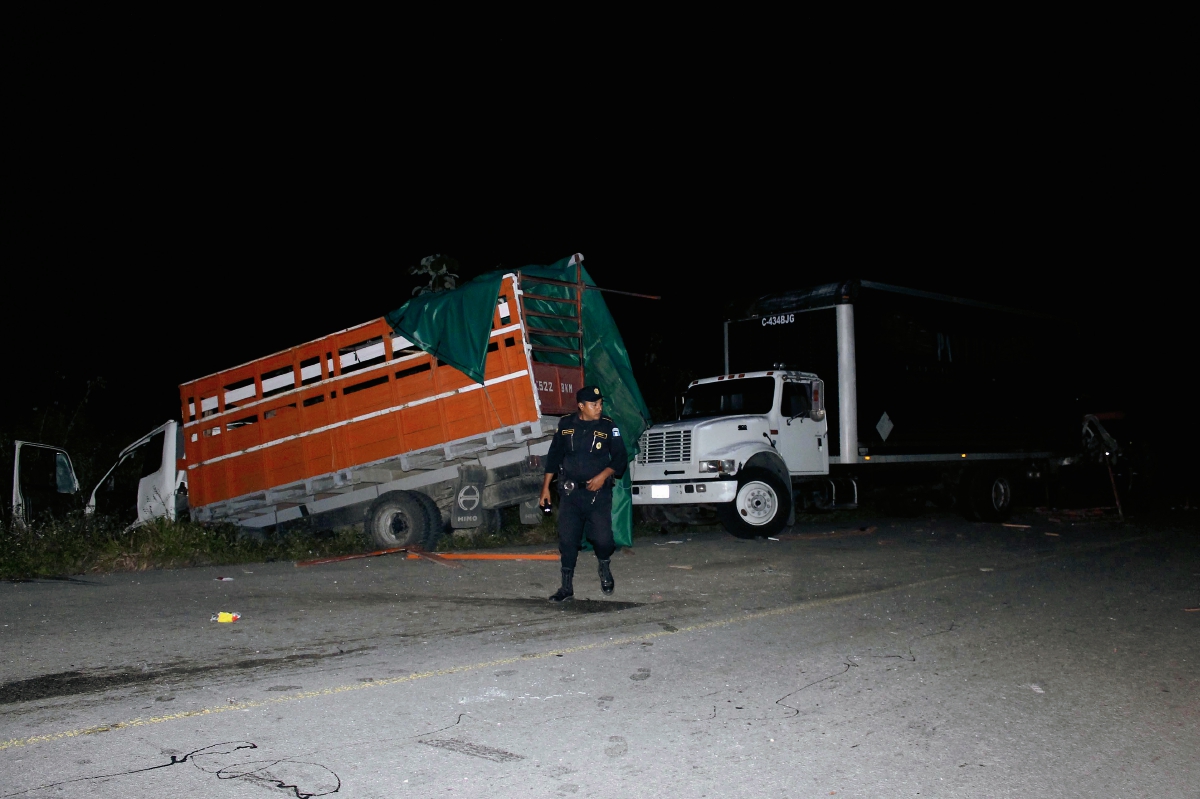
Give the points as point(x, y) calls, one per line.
point(158, 264)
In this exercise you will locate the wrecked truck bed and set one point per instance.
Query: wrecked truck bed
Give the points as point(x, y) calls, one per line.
point(327, 427)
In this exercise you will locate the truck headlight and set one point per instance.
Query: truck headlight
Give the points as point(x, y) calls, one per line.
point(725, 467)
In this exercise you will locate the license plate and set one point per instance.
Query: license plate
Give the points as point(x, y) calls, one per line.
point(660, 492)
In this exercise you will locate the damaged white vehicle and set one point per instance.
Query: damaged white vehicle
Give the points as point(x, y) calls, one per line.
point(146, 482)
point(740, 443)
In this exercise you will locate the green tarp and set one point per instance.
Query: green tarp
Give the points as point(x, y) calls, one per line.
point(456, 325)
point(605, 364)
point(452, 325)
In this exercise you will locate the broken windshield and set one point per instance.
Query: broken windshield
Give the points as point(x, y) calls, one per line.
point(727, 398)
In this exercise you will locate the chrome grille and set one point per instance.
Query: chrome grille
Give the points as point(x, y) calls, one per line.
point(674, 446)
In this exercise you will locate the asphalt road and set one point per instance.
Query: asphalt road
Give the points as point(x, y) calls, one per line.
point(898, 657)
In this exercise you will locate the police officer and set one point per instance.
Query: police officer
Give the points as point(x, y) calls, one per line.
point(588, 454)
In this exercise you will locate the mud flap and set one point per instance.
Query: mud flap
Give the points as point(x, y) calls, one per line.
point(531, 513)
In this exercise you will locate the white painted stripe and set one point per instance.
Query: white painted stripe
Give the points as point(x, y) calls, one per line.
point(310, 371)
point(364, 417)
point(272, 383)
point(314, 370)
point(322, 340)
point(239, 394)
point(365, 354)
point(504, 330)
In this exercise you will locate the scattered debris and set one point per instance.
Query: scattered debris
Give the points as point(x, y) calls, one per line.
point(664, 543)
point(429, 556)
point(443, 558)
point(1078, 514)
point(1037, 689)
point(223, 579)
point(823, 536)
point(225, 618)
point(338, 559)
point(689, 568)
point(491, 556)
point(986, 569)
point(1018, 526)
point(1053, 534)
point(770, 538)
point(1191, 610)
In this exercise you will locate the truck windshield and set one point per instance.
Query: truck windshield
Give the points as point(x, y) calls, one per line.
point(749, 395)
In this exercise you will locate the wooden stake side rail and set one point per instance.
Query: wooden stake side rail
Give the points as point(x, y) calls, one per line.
point(556, 383)
point(346, 400)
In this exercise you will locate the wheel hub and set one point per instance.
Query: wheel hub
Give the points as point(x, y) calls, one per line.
point(397, 523)
point(1001, 494)
point(757, 503)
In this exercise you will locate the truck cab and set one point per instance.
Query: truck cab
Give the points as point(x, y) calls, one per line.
point(740, 443)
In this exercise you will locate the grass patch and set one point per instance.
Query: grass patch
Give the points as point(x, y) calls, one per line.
point(83, 544)
point(86, 545)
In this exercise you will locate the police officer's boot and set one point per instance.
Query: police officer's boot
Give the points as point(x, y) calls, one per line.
point(607, 584)
point(566, 591)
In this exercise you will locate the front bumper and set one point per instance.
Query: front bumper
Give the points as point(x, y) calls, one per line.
point(684, 492)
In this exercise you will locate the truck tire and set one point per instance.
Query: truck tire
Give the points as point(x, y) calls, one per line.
point(761, 507)
point(991, 496)
point(433, 516)
point(398, 519)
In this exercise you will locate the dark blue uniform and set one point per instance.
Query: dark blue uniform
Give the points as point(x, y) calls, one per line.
point(579, 452)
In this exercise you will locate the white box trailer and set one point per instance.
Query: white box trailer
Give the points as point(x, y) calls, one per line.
point(855, 384)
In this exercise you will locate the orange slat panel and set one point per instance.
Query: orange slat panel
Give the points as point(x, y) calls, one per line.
point(351, 443)
point(371, 440)
point(422, 426)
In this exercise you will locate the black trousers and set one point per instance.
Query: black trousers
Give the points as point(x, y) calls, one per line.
point(585, 513)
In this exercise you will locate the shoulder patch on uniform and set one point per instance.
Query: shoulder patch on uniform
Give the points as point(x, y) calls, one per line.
point(617, 432)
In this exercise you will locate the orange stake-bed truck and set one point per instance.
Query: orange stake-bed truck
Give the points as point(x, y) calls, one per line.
point(363, 426)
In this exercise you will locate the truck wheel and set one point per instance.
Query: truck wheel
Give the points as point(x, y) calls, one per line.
point(761, 507)
point(991, 496)
point(433, 516)
point(397, 520)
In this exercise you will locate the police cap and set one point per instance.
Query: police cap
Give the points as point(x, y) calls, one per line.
point(588, 394)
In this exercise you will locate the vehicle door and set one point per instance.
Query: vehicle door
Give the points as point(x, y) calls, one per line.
point(141, 485)
point(44, 482)
point(802, 428)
